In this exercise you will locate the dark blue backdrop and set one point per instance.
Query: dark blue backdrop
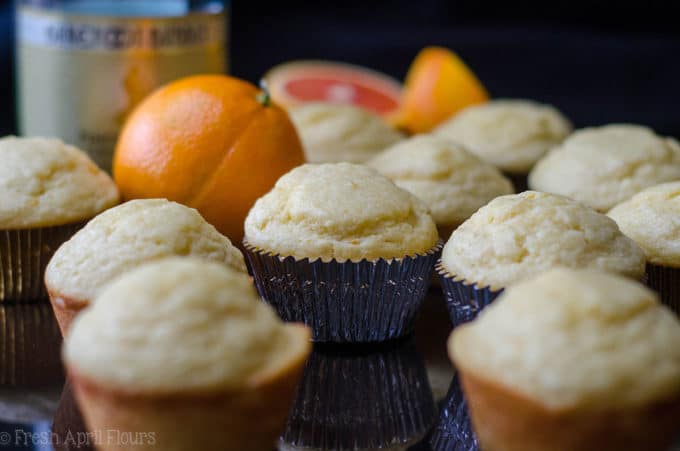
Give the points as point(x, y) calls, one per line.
point(599, 61)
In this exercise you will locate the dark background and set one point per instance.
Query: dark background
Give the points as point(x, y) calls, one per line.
point(599, 61)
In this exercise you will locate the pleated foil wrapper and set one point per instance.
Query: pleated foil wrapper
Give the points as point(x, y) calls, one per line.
point(30, 346)
point(454, 429)
point(345, 302)
point(665, 281)
point(69, 423)
point(464, 299)
point(361, 400)
point(24, 254)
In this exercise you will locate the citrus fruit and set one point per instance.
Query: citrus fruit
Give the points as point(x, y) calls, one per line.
point(438, 84)
point(298, 82)
point(211, 142)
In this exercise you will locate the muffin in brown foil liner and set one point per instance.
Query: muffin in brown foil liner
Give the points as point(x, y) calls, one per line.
point(31, 374)
point(366, 301)
point(30, 346)
point(361, 399)
point(464, 299)
point(665, 280)
point(453, 431)
point(24, 254)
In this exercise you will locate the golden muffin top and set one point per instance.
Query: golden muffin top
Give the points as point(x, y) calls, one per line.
point(44, 182)
point(453, 182)
point(575, 338)
point(510, 134)
point(518, 236)
point(339, 211)
point(603, 166)
point(182, 325)
point(652, 219)
point(128, 235)
point(332, 132)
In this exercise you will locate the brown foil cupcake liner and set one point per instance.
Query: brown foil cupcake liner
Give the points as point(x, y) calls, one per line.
point(30, 345)
point(665, 281)
point(464, 299)
point(361, 400)
point(453, 431)
point(24, 254)
point(350, 302)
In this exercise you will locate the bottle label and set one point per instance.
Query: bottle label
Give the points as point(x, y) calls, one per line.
point(80, 76)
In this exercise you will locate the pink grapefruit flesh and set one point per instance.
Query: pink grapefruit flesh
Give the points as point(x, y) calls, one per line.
point(295, 83)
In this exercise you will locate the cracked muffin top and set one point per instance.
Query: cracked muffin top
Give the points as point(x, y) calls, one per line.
point(517, 236)
point(333, 132)
point(128, 235)
point(453, 182)
point(44, 182)
point(182, 325)
point(603, 166)
point(652, 219)
point(340, 211)
point(510, 134)
point(575, 339)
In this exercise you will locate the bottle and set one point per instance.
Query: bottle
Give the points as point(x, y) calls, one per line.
point(83, 65)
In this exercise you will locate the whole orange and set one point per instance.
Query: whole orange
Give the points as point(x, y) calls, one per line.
point(212, 142)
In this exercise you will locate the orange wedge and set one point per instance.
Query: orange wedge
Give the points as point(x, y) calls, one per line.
point(438, 85)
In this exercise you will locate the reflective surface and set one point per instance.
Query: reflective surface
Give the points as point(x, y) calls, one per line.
point(362, 398)
point(395, 396)
point(351, 397)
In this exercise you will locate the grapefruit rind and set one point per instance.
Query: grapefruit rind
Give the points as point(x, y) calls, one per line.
point(298, 82)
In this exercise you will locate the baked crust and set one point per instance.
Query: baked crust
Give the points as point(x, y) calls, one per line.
point(453, 182)
point(335, 132)
point(248, 419)
point(511, 134)
point(649, 218)
point(65, 309)
point(507, 421)
point(603, 166)
point(340, 211)
point(518, 236)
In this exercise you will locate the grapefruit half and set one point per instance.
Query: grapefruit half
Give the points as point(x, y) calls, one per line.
point(298, 82)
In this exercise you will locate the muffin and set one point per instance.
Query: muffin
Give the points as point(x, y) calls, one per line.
point(510, 134)
point(453, 182)
point(652, 219)
point(344, 250)
point(182, 347)
point(518, 236)
point(603, 166)
point(29, 347)
point(121, 239)
point(49, 190)
point(380, 399)
point(592, 367)
point(335, 132)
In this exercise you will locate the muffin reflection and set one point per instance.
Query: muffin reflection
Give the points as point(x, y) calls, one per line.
point(361, 399)
point(453, 431)
point(68, 429)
